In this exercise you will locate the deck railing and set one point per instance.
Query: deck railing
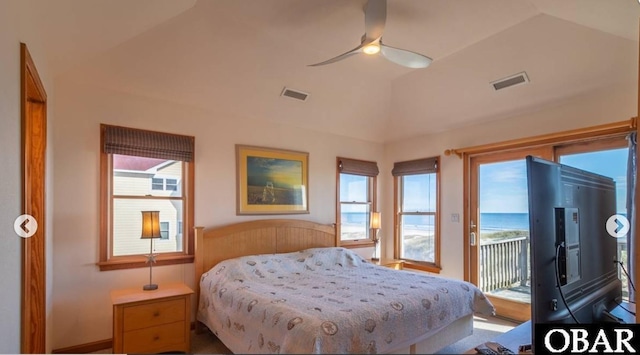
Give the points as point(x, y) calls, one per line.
point(504, 263)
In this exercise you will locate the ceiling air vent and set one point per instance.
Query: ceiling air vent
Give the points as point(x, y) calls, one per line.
point(294, 94)
point(518, 79)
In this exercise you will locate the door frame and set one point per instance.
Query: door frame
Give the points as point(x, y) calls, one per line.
point(547, 140)
point(571, 136)
point(33, 105)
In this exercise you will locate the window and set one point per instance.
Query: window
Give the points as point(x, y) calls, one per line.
point(145, 171)
point(171, 185)
point(164, 184)
point(417, 222)
point(164, 230)
point(356, 186)
point(157, 184)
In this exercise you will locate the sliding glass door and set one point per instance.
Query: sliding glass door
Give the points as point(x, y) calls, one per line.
point(608, 158)
point(498, 222)
point(499, 230)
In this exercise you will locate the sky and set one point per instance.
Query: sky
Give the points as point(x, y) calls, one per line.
point(503, 186)
point(280, 172)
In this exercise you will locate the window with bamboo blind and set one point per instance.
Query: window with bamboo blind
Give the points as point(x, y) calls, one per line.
point(140, 171)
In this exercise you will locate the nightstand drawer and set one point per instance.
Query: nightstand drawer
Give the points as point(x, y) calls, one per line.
point(150, 339)
point(156, 313)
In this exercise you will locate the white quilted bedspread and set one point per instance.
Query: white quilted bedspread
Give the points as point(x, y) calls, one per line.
point(327, 300)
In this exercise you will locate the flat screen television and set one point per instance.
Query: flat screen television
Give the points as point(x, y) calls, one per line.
point(568, 213)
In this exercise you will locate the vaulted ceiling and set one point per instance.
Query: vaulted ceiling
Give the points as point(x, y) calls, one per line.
point(234, 57)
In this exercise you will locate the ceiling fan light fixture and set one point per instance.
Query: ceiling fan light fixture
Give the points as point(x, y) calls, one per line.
point(375, 17)
point(371, 49)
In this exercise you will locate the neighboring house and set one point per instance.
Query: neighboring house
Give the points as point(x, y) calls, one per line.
point(136, 177)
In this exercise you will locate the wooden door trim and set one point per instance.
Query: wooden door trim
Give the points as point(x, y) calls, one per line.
point(550, 141)
point(466, 203)
point(570, 136)
point(33, 100)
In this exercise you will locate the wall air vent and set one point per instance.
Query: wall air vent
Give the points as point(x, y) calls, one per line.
point(294, 94)
point(518, 79)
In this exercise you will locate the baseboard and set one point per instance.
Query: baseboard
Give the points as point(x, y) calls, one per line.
point(85, 348)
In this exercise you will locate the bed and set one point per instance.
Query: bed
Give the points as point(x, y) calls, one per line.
point(283, 286)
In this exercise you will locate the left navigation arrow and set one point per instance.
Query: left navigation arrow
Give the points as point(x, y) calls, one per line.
point(25, 226)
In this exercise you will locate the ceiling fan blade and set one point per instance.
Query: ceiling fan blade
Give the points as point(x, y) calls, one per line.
point(342, 56)
point(404, 57)
point(375, 17)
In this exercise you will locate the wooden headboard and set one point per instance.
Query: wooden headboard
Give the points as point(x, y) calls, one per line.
point(267, 236)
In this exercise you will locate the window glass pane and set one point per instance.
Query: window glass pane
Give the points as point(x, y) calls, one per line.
point(354, 221)
point(171, 185)
point(354, 188)
point(419, 193)
point(164, 230)
point(139, 176)
point(127, 226)
point(156, 184)
point(503, 205)
point(417, 237)
point(611, 163)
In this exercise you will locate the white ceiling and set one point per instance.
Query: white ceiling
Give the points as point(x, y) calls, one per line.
point(233, 57)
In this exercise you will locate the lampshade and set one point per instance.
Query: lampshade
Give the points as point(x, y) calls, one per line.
point(150, 224)
point(375, 220)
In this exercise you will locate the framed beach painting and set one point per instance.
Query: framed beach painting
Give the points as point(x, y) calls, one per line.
point(271, 181)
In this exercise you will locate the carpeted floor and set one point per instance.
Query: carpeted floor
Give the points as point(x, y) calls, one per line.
point(484, 329)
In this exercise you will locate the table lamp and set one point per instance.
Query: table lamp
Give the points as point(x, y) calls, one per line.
point(375, 225)
point(150, 230)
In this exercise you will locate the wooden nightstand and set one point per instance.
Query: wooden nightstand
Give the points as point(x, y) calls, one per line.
point(152, 321)
point(390, 263)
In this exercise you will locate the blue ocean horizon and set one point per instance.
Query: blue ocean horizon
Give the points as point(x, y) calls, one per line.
point(489, 222)
point(495, 222)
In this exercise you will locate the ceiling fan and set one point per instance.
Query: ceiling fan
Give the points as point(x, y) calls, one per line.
point(375, 16)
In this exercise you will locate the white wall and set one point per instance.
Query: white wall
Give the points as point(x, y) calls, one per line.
point(613, 104)
point(15, 28)
point(10, 177)
point(81, 307)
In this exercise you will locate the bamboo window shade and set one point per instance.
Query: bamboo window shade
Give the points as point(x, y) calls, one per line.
point(418, 166)
point(149, 144)
point(358, 167)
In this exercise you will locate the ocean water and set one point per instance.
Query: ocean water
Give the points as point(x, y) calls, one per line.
point(489, 222)
point(495, 222)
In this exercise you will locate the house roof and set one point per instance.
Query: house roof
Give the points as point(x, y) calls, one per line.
point(220, 55)
point(132, 163)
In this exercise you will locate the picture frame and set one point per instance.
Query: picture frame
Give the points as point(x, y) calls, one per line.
point(271, 181)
